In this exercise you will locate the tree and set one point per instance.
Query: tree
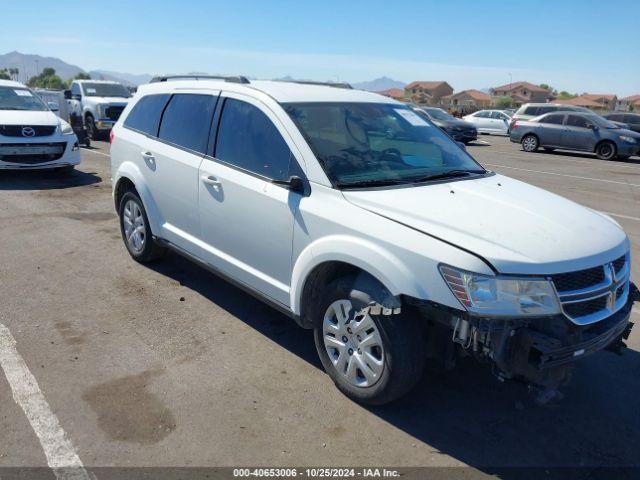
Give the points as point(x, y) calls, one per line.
point(564, 95)
point(545, 86)
point(503, 102)
point(47, 79)
point(4, 74)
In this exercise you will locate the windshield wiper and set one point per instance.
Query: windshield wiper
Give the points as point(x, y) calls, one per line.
point(448, 174)
point(382, 182)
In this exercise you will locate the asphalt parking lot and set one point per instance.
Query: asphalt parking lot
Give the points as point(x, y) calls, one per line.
point(166, 365)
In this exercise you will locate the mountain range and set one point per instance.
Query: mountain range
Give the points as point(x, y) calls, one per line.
point(30, 65)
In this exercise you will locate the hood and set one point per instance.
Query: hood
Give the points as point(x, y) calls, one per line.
point(22, 117)
point(104, 100)
point(516, 227)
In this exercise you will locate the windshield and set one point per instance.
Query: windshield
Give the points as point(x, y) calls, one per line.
point(438, 114)
point(371, 143)
point(20, 98)
point(601, 122)
point(105, 90)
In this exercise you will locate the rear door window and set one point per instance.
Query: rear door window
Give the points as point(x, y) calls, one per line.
point(248, 139)
point(531, 111)
point(145, 115)
point(186, 121)
point(577, 121)
point(555, 119)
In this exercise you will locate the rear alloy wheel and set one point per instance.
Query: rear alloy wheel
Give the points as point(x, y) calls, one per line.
point(135, 230)
point(606, 150)
point(530, 143)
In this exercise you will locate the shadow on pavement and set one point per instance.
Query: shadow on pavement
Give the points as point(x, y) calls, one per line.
point(45, 179)
point(468, 414)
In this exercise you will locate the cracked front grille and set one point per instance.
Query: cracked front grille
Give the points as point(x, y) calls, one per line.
point(590, 295)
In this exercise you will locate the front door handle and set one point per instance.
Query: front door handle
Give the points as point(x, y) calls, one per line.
point(213, 181)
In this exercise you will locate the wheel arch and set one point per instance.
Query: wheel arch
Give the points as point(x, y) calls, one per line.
point(605, 140)
point(333, 257)
point(128, 176)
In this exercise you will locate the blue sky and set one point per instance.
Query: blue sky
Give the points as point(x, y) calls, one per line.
point(574, 45)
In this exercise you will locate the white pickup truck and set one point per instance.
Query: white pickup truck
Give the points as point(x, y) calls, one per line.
point(98, 103)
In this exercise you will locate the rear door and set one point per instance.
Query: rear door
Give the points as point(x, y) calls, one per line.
point(247, 221)
point(483, 121)
point(173, 162)
point(551, 130)
point(577, 135)
point(499, 122)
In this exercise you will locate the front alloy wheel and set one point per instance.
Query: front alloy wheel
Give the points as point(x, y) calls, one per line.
point(353, 345)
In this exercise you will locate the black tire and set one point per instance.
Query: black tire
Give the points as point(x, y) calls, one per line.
point(150, 250)
point(530, 143)
point(402, 343)
point(87, 141)
point(606, 150)
point(623, 157)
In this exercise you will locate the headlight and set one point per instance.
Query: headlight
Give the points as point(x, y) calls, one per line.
point(65, 128)
point(624, 138)
point(501, 295)
point(101, 110)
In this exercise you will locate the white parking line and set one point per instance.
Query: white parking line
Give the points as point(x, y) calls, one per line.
point(60, 453)
point(621, 216)
point(565, 175)
point(97, 153)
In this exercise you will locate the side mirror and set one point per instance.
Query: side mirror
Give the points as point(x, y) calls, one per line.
point(592, 126)
point(462, 146)
point(53, 106)
point(67, 94)
point(293, 183)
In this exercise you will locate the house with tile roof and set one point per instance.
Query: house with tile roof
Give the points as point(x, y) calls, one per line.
point(522, 92)
point(395, 93)
point(468, 100)
point(607, 100)
point(628, 104)
point(582, 101)
point(428, 92)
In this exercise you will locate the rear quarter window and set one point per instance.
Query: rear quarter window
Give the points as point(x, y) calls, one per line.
point(145, 115)
point(530, 111)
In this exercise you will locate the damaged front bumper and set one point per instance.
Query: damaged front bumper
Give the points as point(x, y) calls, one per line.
point(539, 351)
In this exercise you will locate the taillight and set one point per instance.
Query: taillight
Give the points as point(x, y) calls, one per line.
point(514, 125)
point(111, 136)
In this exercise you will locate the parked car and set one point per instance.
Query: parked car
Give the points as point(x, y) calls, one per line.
point(359, 219)
point(631, 119)
point(457, 129)
point(585, 132)
point(31, 135)
point(97, 103)
point(490, 121)
point(532, 110)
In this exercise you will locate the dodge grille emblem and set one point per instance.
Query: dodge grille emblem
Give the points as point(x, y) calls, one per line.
point(28, 132)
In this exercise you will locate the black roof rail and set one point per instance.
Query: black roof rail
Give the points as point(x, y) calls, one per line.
point(233, 79)
point(325, 84)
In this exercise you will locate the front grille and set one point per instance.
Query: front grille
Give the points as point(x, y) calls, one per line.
point(32, 159)
point(114, 112)
point(582, 309)
point(590, 295)
point(17, 130)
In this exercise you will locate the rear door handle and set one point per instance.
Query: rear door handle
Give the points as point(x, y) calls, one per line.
point(147, 155)
point(213, 181)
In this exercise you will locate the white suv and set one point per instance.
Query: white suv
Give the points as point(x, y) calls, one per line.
point(31, 135)
point(358, 218)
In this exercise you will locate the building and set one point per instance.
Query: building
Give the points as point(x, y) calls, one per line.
point(428, 92)
point(468, 100)
point(395, 93)
point(607, 100)
point(522, 92)
point(582, 101)
point(628, 104)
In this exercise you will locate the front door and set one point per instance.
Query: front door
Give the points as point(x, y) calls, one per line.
point(577, 134)
point(247, 221)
